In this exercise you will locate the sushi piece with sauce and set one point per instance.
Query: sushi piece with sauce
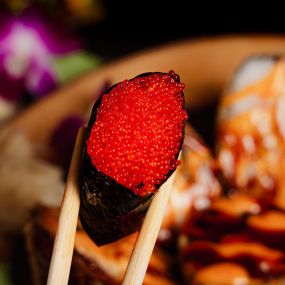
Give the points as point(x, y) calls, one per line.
point(195, 185)
point(251, 130)
point(237, 236)
point(91, 264)
point(131, 147)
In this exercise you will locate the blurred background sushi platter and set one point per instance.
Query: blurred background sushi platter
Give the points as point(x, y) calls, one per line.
point(225, 221)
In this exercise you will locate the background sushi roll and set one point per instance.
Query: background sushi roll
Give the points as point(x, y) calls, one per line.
point(195, 185)
point(235, 235)
point(131, 147)
point(91, 264)
point(251, 130)
point(240, 232)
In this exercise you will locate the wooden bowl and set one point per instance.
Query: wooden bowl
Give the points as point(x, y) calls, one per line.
point(204, 65)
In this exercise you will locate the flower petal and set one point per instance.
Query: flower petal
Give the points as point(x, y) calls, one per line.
point(40, 80)
point(57, 38)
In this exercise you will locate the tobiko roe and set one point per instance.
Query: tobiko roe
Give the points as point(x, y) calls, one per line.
point(132, 144)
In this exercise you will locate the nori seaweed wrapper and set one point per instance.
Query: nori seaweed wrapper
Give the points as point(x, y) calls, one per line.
point(108, 210)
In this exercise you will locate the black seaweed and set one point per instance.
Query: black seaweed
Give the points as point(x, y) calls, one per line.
point(108, 210)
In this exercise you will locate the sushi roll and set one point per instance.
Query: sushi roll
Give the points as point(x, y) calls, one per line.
point(131, 147)
point(251, 130)
point(91, 264)
point(234, 235)
point(224, 219)
point(195, 185)
point(222, 273)
point(251, 256)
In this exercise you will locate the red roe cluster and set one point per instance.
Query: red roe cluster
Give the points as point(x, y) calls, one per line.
point(138, 131)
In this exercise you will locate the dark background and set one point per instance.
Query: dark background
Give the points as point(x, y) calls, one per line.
point(134, 25)
point(126, 26)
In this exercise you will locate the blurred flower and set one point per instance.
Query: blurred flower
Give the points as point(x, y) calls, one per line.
point(28, 45)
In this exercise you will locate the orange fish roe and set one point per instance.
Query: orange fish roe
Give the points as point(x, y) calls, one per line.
point(138, 131)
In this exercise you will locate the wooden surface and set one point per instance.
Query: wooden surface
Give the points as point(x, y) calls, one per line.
point(205, 65)
point(65, 235)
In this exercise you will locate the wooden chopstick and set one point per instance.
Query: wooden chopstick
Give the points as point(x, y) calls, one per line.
point(65, 235)
point(145, 242)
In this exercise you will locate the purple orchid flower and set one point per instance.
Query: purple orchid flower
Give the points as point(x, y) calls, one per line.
point(27, 48)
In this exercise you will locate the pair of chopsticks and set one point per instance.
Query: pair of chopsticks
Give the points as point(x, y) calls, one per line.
point(64, 241)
